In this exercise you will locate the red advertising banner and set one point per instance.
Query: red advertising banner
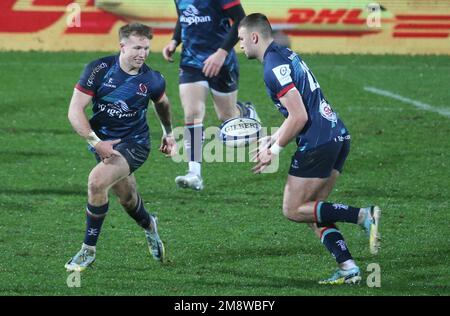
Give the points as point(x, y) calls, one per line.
point(399, 27)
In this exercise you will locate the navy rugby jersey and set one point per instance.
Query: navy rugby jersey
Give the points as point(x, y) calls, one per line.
point(120, 100)
point(284, 70)
point(204, 26)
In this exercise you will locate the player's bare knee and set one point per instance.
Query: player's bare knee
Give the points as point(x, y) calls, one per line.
point(193, 116)
point(288, 213)
point(223, 116)
point(95, 186)
point(294, 214)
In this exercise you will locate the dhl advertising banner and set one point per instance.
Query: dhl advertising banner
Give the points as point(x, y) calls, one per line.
point(326, 26)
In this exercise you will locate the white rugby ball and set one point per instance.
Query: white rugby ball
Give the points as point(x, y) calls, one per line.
point(239, 131)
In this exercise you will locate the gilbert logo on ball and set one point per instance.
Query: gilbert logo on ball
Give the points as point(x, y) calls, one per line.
point(240, 131)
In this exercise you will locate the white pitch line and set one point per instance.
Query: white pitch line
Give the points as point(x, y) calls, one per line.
point(417, 104)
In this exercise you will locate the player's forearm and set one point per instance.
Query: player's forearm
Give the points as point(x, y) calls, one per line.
point(76, 114)
point(297, 119)
point(289, 130)
point(81, 125)
point(163, 110)
point(237, 14)
point(177, 33)
point(79, 121)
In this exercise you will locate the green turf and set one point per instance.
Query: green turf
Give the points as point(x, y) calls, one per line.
point(231, 238)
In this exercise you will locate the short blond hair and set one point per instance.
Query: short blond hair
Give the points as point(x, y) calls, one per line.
point(138, 29)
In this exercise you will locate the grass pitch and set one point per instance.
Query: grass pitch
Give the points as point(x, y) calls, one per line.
point(231, 238)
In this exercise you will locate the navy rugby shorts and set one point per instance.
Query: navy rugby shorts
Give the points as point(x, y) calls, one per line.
point(135, 154)
point(226, 81)
point(319, 162)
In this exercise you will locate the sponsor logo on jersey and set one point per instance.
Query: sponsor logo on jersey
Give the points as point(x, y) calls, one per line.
point(292, 55)
point(117, 109)
point(327, 112)
point(191, 16)
point(94, 72)
point(283, 74)
point(341, 138)
point(110, 83)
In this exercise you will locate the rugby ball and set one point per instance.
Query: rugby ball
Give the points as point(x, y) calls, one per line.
point(239, 131)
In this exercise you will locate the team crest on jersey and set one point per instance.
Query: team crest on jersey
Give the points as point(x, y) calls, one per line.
point(142, 91)
point(327, 112)
point(283, 74)
point(191, 16)
point(143, 88)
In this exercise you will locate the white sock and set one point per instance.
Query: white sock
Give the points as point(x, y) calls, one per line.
point(347, 265)
point(362, 215)
point(91, 248)
point(195, 168)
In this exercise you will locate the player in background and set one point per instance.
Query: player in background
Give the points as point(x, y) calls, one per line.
point(323, 145)
point(208, 63)
point(120, 88)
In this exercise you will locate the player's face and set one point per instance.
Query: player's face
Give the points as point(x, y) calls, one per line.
point(245, 39)
point(135, 50)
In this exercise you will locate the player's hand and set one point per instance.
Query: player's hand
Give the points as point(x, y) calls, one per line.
point(168, 50)
point(213, 63)
point(263, 144)
point(106, 151)
point(263, 158)
point(168, 145)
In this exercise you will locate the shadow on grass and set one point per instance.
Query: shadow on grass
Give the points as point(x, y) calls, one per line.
point(40, 131)
point(48, 191)
point(14, 156)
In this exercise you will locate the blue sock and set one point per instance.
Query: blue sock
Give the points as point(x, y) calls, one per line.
point(328, 213)
point(94, 220)
point(333, 240)
point(140, 214)
point(193, 141)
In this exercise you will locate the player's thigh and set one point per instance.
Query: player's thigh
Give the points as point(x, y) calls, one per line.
point(104, 175)
point(194, 87)
point(338, 166)
point(193, 99)
point(225, 104)
point(224, 90)
point(323, 194)
point(298, 191)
